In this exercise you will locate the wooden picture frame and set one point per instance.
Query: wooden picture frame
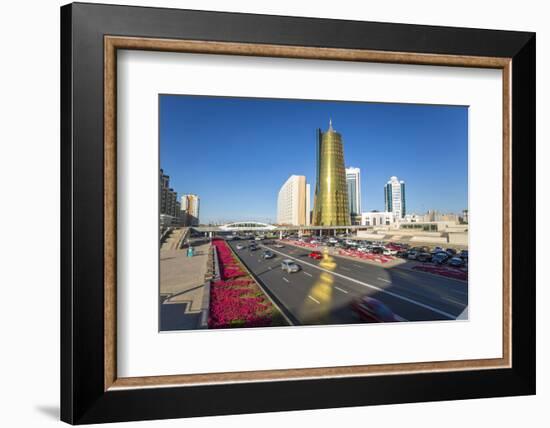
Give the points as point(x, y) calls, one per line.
point(91, 390)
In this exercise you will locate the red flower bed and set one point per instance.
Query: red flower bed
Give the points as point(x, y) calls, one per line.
point(236, 300)
point(443, 271)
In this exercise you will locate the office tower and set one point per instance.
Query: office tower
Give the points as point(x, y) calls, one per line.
point(394, 196)
point(353, 180)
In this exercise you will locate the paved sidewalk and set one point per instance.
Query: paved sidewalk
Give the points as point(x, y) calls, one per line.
point(182, 287)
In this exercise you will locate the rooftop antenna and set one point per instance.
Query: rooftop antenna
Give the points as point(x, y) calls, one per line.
point(330, 124)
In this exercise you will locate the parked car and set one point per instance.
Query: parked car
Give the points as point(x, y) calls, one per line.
point(411, 254)
point(463, 254)
point(377, 250)
point(290, 266)
point(268, 254)
point(279, 246)
point(258, 238)
point(456, 262)
point(440, 258)
point(451, 251)
point(240, 246)
point(370, 309)
point(437, 250)
point(252, 247)
point(317, 255)
point(402, 254)
point(424, 257)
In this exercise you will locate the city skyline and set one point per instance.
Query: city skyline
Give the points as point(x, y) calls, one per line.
point(258, 143)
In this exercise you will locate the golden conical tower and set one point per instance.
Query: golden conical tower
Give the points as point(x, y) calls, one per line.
point(331, 193)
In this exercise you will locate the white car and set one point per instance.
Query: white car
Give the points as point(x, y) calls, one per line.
point(290, 266)
point(240, 246)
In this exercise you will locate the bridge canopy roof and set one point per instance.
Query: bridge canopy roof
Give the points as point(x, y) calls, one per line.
point(247, 225)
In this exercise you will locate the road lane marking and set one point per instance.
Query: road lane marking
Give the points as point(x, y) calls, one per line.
point(382, 279)
point(285, 280)
point(314, 299)
point(454, 301)
point(341, 289)
point(345, 268)
point(374, 287)
point(307, 273)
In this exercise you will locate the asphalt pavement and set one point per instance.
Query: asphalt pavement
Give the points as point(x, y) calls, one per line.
point(321, 292)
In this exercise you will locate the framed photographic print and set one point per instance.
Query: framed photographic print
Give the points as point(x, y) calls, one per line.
point(273, 213)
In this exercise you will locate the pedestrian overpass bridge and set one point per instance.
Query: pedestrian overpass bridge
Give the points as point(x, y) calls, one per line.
point(253, 226)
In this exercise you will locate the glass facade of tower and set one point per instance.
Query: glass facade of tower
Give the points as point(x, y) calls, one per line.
point(330, 206)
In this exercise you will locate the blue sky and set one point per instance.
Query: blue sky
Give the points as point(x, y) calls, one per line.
point(236, 153)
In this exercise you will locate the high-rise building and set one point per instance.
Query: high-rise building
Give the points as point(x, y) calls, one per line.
point(394, 197)
point(353, 181)
point(330, 207)
point(190, 204)
point(293, 204)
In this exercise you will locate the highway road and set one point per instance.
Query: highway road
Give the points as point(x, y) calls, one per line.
point(321, 292)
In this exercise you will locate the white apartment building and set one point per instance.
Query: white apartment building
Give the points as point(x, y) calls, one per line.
point(293, 202)
point(377, 218)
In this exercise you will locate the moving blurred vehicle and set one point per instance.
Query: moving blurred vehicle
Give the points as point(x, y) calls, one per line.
point(268, 254)
point(289, 266)
point(370, 309)
point(317, 255)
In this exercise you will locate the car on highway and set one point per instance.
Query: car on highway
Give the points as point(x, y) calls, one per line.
point(239, 246)
point(290, 266)
point(252, 247)
point(440, 258)
point(456, 262)
point(370, 309)
point(317, 255)
point(268, 254)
